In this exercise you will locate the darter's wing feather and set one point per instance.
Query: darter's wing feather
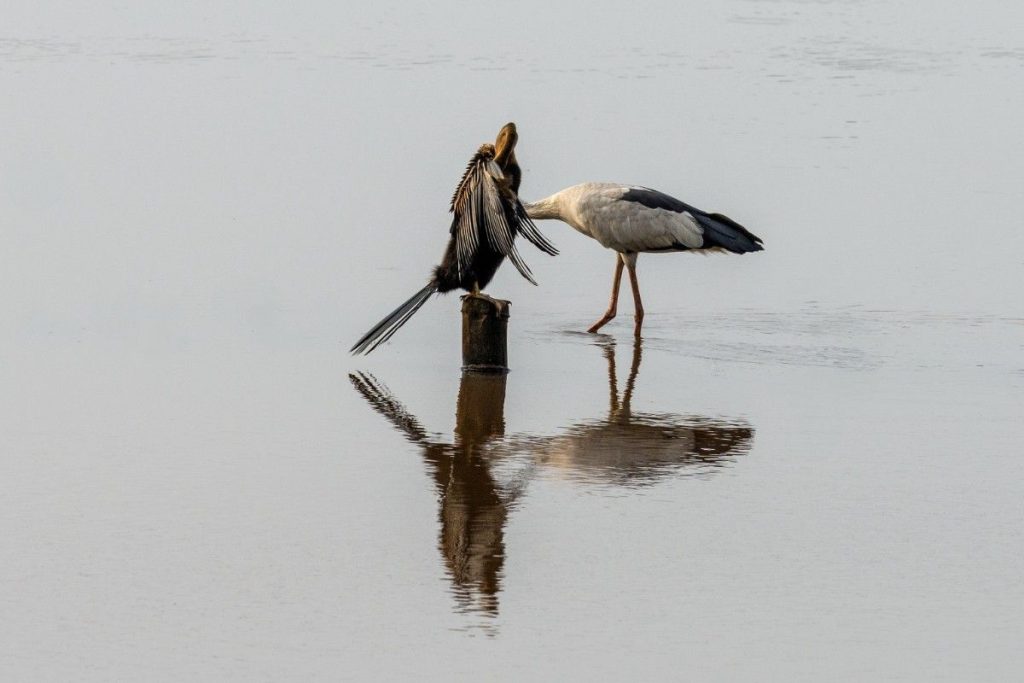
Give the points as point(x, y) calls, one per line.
point(465, 206)
point(529, 230)
point(484, 203)
point(501, 223)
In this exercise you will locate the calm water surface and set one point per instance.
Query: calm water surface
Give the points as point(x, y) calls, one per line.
point(807, 469)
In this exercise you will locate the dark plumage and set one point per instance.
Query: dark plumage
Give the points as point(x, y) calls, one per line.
point(487, 217)
point(719, 230)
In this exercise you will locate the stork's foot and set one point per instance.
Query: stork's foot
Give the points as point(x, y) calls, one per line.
point(602, 322)
point(638, 324)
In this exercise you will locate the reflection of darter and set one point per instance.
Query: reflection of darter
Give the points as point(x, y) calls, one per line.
point(473, 511)
point(626, 449)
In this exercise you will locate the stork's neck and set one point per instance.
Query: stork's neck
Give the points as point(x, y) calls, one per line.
point(549, 207)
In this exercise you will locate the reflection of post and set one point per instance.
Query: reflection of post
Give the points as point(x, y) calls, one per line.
point(484, 333)
point(480, 409)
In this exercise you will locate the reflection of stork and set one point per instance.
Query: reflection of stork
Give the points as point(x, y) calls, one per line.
point(630, 219)
point(626, 448)
point(632, 448)
point(487, 218)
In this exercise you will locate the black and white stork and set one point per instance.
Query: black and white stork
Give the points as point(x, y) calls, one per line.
point(630, 219)
point(487, 218)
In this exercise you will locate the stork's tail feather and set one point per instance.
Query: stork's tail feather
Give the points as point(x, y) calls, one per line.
point(387, 327)
point(723, 232)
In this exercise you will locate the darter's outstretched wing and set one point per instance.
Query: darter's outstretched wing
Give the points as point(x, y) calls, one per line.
point(486, 208)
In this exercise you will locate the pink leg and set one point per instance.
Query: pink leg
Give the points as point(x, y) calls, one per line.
point(639, 305)
point(613, 306)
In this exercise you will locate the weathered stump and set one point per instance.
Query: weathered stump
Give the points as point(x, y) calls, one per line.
point(484, 334)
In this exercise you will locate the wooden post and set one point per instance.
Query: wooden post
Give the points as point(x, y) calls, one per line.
point(484, 334)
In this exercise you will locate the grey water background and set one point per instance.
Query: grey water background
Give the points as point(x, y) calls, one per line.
point(808, 469)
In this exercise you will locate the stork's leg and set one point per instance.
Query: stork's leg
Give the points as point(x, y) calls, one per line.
point(638, 305)
point(614, 305)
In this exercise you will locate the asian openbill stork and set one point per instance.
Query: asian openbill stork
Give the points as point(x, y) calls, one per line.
point(487, 217)
point(630, 219)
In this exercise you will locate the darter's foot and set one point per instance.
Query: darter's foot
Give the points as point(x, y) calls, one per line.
point(488, 297)
point(476, 292)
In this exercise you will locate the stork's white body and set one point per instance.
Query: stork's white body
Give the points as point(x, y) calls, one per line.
point(630, 219)
point(598, 211)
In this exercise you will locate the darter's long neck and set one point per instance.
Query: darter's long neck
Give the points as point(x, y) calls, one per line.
point(512, 170)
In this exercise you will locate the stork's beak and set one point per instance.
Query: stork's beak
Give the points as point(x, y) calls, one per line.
point(505, 143)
